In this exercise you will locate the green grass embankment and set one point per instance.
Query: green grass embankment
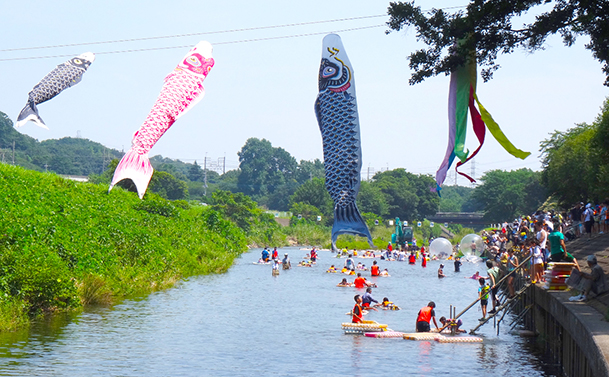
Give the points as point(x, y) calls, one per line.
point(65, 244)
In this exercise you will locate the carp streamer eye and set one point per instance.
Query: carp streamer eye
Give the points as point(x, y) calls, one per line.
point(328, 71)
point(194, 61)
point(77, 61)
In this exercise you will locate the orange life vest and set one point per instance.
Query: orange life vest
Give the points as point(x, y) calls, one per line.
point(374, 270)
point(357, 310)
point(425, 314)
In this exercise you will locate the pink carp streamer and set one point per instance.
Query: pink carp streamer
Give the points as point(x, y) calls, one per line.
point(182, 89)
point(461, 97)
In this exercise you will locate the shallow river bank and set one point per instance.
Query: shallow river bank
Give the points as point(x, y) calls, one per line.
point(246, 322)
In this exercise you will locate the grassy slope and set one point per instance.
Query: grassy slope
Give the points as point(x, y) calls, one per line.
point(64, 243)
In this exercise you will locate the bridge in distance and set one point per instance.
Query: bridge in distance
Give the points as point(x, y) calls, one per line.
point(465, 218)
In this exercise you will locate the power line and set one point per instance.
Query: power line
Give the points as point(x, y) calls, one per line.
point(193, 34)
point(210, 32)
point(204, 33)
point(188, 46)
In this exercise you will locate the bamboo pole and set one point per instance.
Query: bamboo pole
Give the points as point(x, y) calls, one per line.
point(520, 265)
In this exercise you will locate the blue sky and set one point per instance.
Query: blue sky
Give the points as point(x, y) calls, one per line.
point(266, 89)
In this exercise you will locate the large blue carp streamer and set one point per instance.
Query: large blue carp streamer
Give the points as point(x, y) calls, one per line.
point(336, 111)
point(63, 76)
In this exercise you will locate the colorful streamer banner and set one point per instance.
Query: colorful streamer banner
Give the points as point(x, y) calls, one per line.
point(461, 98)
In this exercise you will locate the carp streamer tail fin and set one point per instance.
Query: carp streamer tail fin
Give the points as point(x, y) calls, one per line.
point(136, 167)
point(348, 220)
point(30, 112)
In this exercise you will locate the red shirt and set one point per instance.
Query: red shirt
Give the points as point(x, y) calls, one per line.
point(359, 282)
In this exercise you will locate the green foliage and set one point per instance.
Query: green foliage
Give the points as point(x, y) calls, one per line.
point(582, 149)
point(307, 212)
point(68, 155)
point(167, 186)
point(264, 169)
point(454, 197)
point(407, 195)
point(13, 314)
point(371, 199)
point(486, 29)
point(271, 175)
point(64, 243)
point(155, 205)
point(313, 192)
point(307, 233)
point(509, 194)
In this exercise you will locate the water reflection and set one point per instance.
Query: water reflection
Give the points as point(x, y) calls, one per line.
point(247, 322)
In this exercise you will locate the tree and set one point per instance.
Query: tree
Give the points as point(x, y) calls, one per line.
point(229, 181)
point(264, 169)
point(486, 28)
point(408, 195)
point(453, 198)
point(168, 186)
point(195, 173)
point(239, 208)
point(314, 192)
point(575, 162)
point(509, 194)
point(308, 170)
point(306, 211)
point(371, 199)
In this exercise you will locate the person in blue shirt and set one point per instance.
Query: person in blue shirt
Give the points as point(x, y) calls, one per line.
point(265, 255)
point(367, 299)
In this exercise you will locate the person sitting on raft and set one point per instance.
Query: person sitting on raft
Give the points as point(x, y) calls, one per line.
point(425, 316)
point(441, 271)
point(265, 255)
point(331, 269)
point(449, 322)
point(388, 305)
point(344, 283)
point(384, 273)
point(374, 270)
point(357, 312)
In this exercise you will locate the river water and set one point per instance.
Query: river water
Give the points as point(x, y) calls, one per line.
point(247, 323)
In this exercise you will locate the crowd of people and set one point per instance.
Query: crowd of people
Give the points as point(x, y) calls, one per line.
point(543, 237)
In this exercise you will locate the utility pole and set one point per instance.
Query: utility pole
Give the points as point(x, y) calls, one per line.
point(205, 175)
point(473, 170)
point(45, 168)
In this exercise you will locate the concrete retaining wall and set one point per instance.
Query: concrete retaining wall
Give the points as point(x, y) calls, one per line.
point(575, 334)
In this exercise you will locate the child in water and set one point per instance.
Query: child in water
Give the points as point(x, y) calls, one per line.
point(448, 322)
point(388, 305)
point(384, 273)
point(344, 283)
